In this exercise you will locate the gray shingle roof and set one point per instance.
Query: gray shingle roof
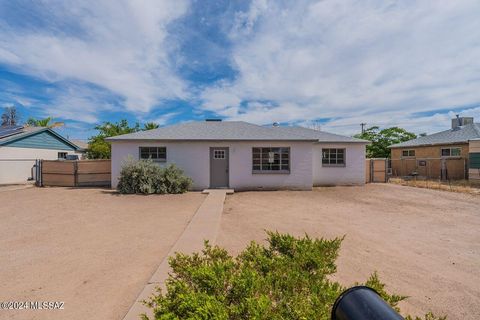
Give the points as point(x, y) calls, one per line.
point(223, 130)
point(459, 135)
point(320, 136)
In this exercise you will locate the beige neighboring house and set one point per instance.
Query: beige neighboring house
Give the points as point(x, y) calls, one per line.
point(449, 154)
point(82, 146)
point(245, 156)
point(21, 146)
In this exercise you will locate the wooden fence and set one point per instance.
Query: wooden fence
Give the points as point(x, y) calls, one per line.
point(376, 170)
point(78, 173)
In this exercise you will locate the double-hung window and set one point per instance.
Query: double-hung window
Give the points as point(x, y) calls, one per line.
point(451, 152)
point(333, 157)
point(158, 154)
point(408, 153)
point(271, 160)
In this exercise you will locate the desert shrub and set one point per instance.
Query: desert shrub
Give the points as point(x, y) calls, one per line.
point(146, 177)
point(288, 279)
point(172, 180)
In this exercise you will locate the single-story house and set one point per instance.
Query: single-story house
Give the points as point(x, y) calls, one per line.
point(245, 156)
point(81, 144)
point(441, 155)
point(21, 146)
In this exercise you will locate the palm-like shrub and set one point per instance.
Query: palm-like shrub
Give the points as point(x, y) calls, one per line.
point(146, 177)
point(288, 279)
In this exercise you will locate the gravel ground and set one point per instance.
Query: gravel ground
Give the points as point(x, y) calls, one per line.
point(90, 248)
point(424, 243)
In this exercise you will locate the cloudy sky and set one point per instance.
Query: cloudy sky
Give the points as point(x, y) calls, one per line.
point(333, 63)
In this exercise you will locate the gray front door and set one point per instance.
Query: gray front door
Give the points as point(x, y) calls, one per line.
point(218, 167)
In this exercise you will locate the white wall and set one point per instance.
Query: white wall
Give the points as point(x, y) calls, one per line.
point(352, 174)
point(16, 163)
point(194, 159)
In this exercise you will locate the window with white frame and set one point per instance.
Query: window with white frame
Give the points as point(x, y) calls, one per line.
point(271, 160)
point(155, 153)
point(218, 154)
point(62, 155)
point(408, 153)
point(451, 152)
point(333, 157)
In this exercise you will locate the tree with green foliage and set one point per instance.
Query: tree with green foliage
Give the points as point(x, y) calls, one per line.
point(98, 148)
point(150, 126)
point(383, 139)
point(288, 279)
point(47, 122)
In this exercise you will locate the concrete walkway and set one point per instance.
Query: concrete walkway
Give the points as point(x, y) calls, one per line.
point(203, 226)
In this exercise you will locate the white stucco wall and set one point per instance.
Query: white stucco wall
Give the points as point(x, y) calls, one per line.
point(16, 163)
point(194, 159)
point(353, 173)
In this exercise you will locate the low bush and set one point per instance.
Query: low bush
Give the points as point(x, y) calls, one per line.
point(146, 177)
point(288, 279)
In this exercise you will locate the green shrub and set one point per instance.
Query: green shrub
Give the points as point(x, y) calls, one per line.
point(146, 177)
point(288, 279)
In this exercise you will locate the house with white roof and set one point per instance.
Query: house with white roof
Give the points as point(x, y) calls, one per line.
point(245, 156)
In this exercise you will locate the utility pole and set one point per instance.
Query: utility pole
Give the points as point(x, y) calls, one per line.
point(363, 124)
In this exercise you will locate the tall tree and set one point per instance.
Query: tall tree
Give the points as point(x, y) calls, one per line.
point(150, 126)
point(98, 148)
point(9, 116)
point(47, 122)
point(383, 139)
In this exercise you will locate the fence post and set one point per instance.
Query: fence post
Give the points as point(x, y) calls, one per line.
point(75, 173)
point(38, 178)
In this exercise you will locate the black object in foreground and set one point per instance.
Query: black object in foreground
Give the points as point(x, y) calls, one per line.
point(362, 303)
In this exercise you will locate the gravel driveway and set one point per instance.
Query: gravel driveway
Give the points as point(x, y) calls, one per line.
point(424, 243)
point(89, 248)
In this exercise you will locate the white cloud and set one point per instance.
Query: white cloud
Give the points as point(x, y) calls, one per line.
point(164, 119)
point(121, 46)
point(78, 103)
point(356, 61)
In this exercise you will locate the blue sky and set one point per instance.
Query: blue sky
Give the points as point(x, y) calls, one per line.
point(333, 63)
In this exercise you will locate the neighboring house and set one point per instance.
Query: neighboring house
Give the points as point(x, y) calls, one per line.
point(21, 146)
point(442, 155)
point(245, 156)
point(82, 146)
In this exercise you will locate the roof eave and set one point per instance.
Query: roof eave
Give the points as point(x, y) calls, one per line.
point(200, 140)
point(429, 144)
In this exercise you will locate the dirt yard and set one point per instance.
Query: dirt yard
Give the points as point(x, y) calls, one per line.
point(89, 248)
point(424, 243)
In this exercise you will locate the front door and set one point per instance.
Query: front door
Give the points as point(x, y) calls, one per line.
point(218, 167)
